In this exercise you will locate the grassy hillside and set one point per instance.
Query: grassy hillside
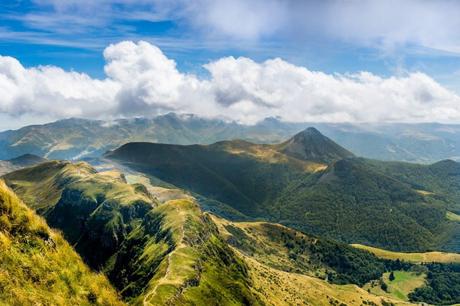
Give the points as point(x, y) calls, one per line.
point(95, 211)
point(175, 256)
point(151, 253)
point(38, 267)
point(282, 255)
point(352, 200)
point(169, 252)
point(190, 262)
point(288, 250)
point(230, 173)
point(427, 257)
point(277, 287)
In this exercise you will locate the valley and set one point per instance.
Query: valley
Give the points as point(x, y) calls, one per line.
point(229, 153)
point(163, 238)
point(170, 267)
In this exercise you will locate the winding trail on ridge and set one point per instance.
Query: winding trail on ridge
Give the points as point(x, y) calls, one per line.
point(165, 278)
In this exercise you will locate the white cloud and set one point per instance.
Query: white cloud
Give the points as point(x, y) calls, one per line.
point(387, 24)
point(141, 80)
point(150, 82)
point(51, 91)
point(384, 24)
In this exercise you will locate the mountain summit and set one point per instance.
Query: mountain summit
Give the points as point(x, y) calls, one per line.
point(311, 145)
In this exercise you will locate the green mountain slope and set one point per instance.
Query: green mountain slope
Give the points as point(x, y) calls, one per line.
point(279, 248)
point(150, 253)
point(352, 202)
point(311, 145)
point(93, 210)
point(237, 173)
point(174, 254)
point(350, 199)
point(439, 180)
point(177, 257)
point(38, 267)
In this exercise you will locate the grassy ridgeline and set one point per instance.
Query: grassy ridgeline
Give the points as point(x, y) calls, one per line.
point(151, 253)
point(174, 253)
point(38, 267)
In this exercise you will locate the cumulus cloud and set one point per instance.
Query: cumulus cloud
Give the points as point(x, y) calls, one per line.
point(141, 80)
point(51, 91)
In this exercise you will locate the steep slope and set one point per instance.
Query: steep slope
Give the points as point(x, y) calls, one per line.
point(38, 267)
point(440, 180)
point(95, 211)
point(284, 260)
point(19, 162)
point(282, 288)
point(350, 199)
point(175, 254)
point(150, 253)
point(176, 257)
point(311, 145)
point(238, 173)
point(285, 249)
point(289, 267)
point(356, 204)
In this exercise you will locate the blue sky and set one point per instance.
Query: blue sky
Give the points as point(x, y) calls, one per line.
point(341, 38)
point(73, 34)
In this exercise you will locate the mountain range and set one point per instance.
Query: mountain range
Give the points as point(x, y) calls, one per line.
point(310, 183)
point(263, 220)
point(172, 253)
point(156, 246)
point(19, 162)
point(78, 138)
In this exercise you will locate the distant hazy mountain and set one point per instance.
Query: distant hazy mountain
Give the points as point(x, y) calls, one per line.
point(312, 184)
point(19, 162)
point(78, 138)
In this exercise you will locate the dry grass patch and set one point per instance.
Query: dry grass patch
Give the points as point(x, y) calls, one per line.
point(439, 257)
point(282, 288)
